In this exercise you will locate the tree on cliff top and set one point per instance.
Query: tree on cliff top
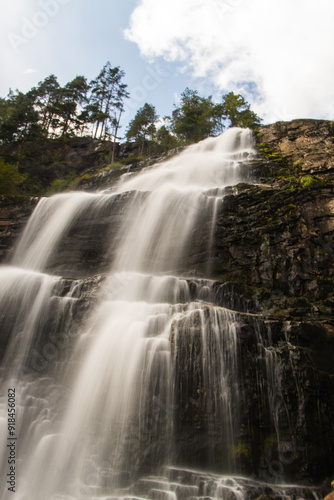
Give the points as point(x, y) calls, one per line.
point(143, 125)
point(19, 120)
point(46, 97)
point(72, 97)
point(199, 117)
point(106, 100)
point(235, 109)
point(193, 120)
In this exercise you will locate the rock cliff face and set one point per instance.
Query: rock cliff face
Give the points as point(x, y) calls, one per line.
point(274, 247)
point(307, 145)
point(273, 238)
point(14, 213)
point(270, 262)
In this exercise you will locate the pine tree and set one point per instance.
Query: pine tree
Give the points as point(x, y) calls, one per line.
point(237, 110)
point(72, 96)
point(194, 119)
point(46, 99)
point(143, 125)
point(106, 101)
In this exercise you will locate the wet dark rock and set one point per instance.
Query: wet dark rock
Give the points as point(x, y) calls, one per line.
point(271, 263)
point(70, 306)
point(89, 245)
point(280, 386)
point(14, 214)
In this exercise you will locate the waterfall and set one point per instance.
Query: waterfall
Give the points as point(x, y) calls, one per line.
point(118, 377)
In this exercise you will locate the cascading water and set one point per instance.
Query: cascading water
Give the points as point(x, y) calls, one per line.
point(99, 401)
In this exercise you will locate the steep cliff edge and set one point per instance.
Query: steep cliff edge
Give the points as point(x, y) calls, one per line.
point(270, 260)
point(277, 235)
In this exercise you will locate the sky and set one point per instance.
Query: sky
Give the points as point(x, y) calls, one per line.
point(277, 53)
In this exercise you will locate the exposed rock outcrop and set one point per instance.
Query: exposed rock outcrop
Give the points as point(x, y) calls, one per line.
point(307, 145)
point(14, 213)
point(271, 260)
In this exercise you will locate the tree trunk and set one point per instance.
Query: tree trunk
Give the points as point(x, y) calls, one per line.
point(65, 127)
point(97, 127)
point(115, 137)
point(48, 124)
point(102, 129)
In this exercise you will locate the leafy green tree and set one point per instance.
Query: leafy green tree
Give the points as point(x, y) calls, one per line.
point(194, 119)
point(5, 110)
point(143, 125)
point(58, 107)
point(165, 140)
point(20, 122)
point(236, 110)
point(69, 109)
point(47, 97)
point(72, 96)
point(20, 119)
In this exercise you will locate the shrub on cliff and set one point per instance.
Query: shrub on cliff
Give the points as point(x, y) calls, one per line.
point(11, 180)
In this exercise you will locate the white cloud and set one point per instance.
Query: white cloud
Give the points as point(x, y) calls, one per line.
point(284, 47)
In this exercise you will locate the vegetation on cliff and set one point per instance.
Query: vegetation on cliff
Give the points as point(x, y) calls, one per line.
point(31, 124)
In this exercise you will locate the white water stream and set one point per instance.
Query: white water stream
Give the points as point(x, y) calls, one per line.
point(92, 419)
